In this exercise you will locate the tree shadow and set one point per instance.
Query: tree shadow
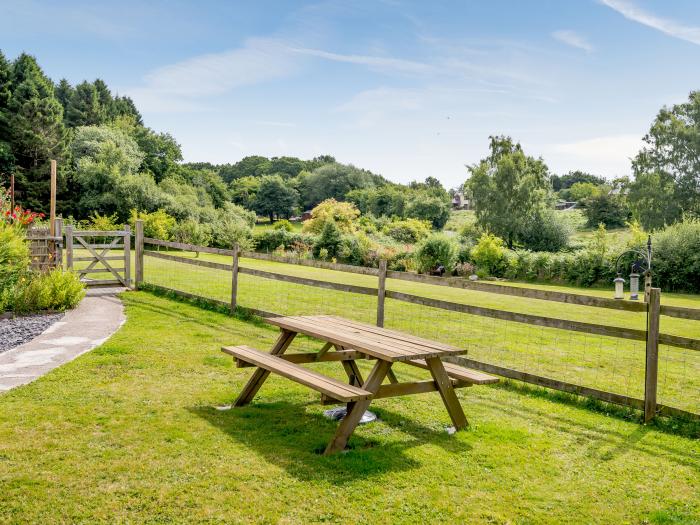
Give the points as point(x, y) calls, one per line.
point(289, 436)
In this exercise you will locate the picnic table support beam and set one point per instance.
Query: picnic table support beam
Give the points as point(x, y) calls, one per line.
point(355, 413)
point(444, 384)
point(260, 375)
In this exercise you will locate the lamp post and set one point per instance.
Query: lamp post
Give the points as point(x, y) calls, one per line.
point(640, 266)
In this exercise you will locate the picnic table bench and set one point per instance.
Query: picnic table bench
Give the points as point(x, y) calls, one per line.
point(353, 341)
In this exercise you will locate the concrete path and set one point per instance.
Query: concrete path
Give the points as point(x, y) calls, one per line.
point(96, 318)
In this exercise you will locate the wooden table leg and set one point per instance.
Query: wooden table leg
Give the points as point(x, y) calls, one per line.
point(351, 420)
point(353, 372)
point(260, 375)
point(437, 370)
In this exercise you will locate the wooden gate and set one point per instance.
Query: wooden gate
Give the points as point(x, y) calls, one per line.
point(45, 250)
point(100, 247)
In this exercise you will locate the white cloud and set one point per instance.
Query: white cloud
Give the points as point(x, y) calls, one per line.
point(573, 39)
point(375, 62)
point(609, 155)
point(675, 29)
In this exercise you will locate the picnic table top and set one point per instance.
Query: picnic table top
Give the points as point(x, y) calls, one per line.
point(381, 343)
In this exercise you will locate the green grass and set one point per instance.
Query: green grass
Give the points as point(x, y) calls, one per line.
point(129, 433)
point(267, 225)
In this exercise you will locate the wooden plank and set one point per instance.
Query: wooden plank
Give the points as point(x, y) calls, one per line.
point(408, 389)
point(353, 373)
point(449, 398)
point(681, 312)
point(355, 413)
point(537, 320)
point(260, 375)
point(103, 282)
point(127, 256)
point(459, 372)
point(187, 247)
point(188, 295)
point(652, 355)
point(381, 292)
point(326, 385)
point(351, 288)
point(530, 293)
point(104, 252)
point(102, 233)
point(187, 260)
point(234, 278)
point(138, 246)
point(547, 382)
point(98, 270)
point(106, 258)
point(69, 246)
point(338, 267)
point(310, 357)
point(679, 341)
point(98, 257)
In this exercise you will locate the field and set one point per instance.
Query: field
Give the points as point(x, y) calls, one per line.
point(129, 433)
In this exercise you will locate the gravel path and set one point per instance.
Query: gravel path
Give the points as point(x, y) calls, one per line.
point(19, 330)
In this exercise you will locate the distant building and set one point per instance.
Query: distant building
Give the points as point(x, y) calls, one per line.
point(459, 202)
point(306, 215)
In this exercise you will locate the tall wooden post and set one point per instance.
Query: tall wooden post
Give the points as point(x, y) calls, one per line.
point(652, 354)
point(138, 245)
point(127, 255)
point(12, 190)
point(647, 285)
point(52, 207)
point(234, 278)
point(381, 293)
point(58, 251)
point(69, 247)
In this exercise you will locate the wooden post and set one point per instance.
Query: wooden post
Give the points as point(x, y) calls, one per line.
point(652, 354)
point(58, 261)
point(127, 255)
point(69, 247)
point(138, 245)
point(647, 285)
point(12, 190)
point(381, 293)
point(234, 278)
point(52, 207)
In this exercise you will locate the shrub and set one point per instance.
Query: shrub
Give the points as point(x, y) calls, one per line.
point(103, 222)
point(328, 243)
point(436, 250)
point(343, 214)
point(271, 240)
point(56, 290)
point(408, 231)
point(610, 210)
point(283, 224)
point(545, 232)
point(157, 224)
point(489, 254)
point(191, 231)
point(432, 209)
point(464, 269)
point(676, 258)
point(355, 249)
point(14, 254)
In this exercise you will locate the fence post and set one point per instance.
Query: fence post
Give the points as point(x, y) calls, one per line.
point(381, 293)
point(127, 255)
point(69, 247)
point(58, 251)
point(234, 278)
point(652, 354)
point(138, 245)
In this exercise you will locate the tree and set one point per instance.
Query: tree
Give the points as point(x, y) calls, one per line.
point(64, 92)
point(509, 188)
point(673, 149)
point(161, 152)
point(653, 200)
point(436, 210)
point(243, 191)
point(275, 198)
point(607, 209)
point(6, 156)
point(582, 191)
point(84, 108)
point(246, 167)
point(333, 181)
point(564, 182)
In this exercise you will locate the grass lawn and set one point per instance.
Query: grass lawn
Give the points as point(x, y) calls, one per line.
point(129, 433)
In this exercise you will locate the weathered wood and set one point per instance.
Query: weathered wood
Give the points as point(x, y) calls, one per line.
point(127, 256)
point(391, 376)
point(309, 357)
point(326, 385)
point(449, 398)
point(323, 351)
point(103, 282)
point(681, 312)
point(408, 389)
point(260, 375)
point(187, 260)
point(679, 341)
point(652, 355)
point(98, 270)
point(94, 260)
point(353, 373)
point(530, 293)
point(537, 320)
point(381, 293)
point(98, 257)
point(188, 295)
point(138, 246)
point(102, 233)
point(352, 418)
point(52, 205)
point(351, 288)
point(69, 246)
point(234, 277)
point(338, 267)
point(460, 373)
point(187, 247)
point(106, 258)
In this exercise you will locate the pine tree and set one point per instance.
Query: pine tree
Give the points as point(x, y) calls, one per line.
point(125, 107)
point(6, 157)
point(84, 107)
point(64, 92)
point(36, 132)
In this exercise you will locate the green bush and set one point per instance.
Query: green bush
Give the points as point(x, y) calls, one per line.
point(56, 290)
point(283, 224)
point(611, 210)
point(408, 231)
point(436, 250)
point(328, 243)
point(157, 224)
point(191, 231)
point(14, 255)
point(545, 232)
point(489, 255)
point(676, 258)
point(428, 208)
point(270, 240)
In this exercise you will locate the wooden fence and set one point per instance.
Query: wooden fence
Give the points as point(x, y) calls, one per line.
point(45, 249)
point(651, 335)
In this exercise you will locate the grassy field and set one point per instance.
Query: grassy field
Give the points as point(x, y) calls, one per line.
point(129, 433)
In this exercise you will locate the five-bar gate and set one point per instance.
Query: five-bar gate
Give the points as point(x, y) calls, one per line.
point(100, 258)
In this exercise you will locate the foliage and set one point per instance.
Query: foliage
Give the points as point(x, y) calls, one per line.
point(653, 200)
point(271, 240)
point(489, 254)
point(191, 231)
point(333, 181)
point(408, 231)
point(581, 192)
point(430, 208)
point(343, 214)
point(545, 232)
point(436, 250)
point(608, 209)
point(283, 224)
point(564, 182)
point(233, 225)
point(508, 188)
point(157, 224)
point(385, 201)
point(57, 290)
point(676, 258)
point(275, 198)
point(329, 241)
point(14, 255)
point(104, 222)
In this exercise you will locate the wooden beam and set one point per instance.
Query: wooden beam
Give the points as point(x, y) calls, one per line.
point(52, 207)
point(652, 355)
point(234, 278)
point(449, 398)
point(381, 292)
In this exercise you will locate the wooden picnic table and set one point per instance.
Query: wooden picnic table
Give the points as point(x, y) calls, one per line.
point(353, 341)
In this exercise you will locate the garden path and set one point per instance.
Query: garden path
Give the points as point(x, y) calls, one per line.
point(96, 318)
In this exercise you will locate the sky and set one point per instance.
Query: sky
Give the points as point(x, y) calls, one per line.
point(407, 89)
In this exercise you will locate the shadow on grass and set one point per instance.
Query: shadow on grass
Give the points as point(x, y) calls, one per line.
point(289, 436)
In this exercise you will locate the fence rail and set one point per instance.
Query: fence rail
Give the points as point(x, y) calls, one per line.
point(651, 335)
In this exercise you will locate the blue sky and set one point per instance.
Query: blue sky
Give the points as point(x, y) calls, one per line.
point(406, 89)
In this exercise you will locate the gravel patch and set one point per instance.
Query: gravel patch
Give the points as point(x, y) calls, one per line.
point(19, 330)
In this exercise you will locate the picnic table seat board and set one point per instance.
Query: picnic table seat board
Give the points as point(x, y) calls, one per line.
point(353, 341)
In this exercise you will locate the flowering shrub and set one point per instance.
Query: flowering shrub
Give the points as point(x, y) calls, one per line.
point(21, 216)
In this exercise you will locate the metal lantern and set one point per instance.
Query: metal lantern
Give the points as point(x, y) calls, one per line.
point(634, 286)
point(619, 287)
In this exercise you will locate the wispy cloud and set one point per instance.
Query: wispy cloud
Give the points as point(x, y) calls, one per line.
point(671, 27)
point(573, 39)
point(375, 62)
